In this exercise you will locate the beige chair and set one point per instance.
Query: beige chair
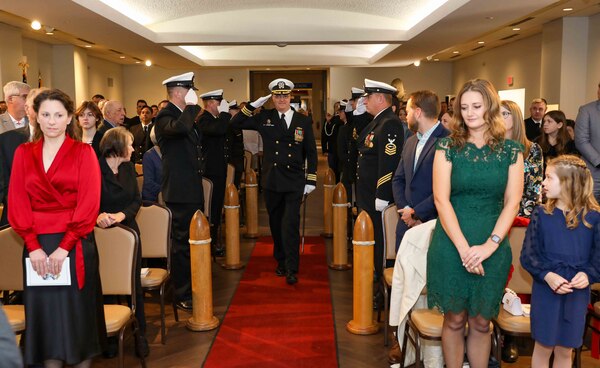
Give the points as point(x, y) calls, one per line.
point(117, 248)
point(207, 186)
point(140, 182)
point(11, 275)
point(389, 217)
point(521, 282)
point(139, 169)
point(155, 234)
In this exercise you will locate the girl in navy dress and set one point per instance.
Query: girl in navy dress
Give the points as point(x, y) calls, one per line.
point(562, 252)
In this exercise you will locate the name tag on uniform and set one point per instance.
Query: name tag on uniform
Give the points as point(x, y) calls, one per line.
point(299, 134)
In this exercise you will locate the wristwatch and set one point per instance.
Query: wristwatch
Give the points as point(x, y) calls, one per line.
point(495, 238)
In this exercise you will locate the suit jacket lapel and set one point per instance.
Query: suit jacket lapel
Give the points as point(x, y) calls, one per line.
point(428, 145)
point(411, 151)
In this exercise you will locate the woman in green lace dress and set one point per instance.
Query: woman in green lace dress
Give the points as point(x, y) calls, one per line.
point(477, 188)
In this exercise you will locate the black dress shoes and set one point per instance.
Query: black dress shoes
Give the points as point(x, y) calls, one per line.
point(220, 252)
point(112, 348)
point(280, 271)
point(510, 352)
point(185, 305)
point(291, 278)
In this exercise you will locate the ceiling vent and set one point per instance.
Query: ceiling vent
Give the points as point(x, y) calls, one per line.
point(509, 37)
point(477, 48)
point(455, 56)
point(521, 22)
point(86, 41)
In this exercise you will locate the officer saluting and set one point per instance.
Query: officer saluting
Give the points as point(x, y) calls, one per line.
point(213, 123)
point(180, 141)
point(288, 140)
point(379, 146)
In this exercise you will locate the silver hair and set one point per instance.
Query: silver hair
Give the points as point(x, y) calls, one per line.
point(14, 88)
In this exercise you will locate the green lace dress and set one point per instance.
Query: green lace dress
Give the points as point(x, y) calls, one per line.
point(479, 177)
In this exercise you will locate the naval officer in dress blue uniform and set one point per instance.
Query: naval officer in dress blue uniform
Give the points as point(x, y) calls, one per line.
point(180, 142)
point(379, 146)
point(288, 142)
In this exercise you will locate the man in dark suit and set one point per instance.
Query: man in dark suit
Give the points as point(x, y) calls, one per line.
point(379, 147)
point(288, 141)
point(141, 135)
point(9, 141)
point(180, 142)
point(533, 124)
point(587, 138)
point(412, 181)
point(136, 120)
point(114, 116)
point(213, 123)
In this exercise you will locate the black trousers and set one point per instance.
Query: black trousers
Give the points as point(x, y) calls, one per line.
point(284, 220)
point(181, 271)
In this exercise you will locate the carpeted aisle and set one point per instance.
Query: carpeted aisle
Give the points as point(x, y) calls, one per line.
point(272, 324)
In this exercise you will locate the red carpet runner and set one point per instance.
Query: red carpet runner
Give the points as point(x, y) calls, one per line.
point(272, 324)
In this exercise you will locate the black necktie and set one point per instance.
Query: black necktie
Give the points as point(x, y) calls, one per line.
point(145, 129)
point(283, 121)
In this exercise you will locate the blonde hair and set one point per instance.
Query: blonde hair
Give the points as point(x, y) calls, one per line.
point(518, 130)
point(577, 190)
point(493, 119)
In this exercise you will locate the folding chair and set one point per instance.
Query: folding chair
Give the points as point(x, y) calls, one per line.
point(117, 247)
point(155, 232)
point(389, 217)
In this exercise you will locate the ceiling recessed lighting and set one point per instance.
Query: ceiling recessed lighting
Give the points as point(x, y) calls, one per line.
point(88, 46)
point(567, 9)
point(417, 63)
point(148, 63)
point(516, 29)
point(121, 57)
point(138, 62)
point(36, 25)
point(489, 18)
point(436, 59)
point(481, 42)
point(456, 52)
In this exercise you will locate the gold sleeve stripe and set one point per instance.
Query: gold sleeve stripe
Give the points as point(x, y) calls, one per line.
point(311, 177)
point(246, 112)
point(384, 179)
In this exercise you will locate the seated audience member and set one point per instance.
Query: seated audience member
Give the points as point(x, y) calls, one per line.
point(534, 161)
point(89, 116)
point(152, 167)
point(555, 139)
point(119, 203)
point(571, 128)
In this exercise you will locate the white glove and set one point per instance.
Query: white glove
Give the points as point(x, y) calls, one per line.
point(308, 188)
point(380, 204)
point(191, 98)
point(360, 107)
point(261, 101)
point(348, 107)
point(223, 106)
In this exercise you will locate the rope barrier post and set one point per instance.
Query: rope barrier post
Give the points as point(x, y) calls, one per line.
point(362, 322)
point(251, 205)
point(232, 229)
point(328, 186)
point(202, 315)
point(340, 223)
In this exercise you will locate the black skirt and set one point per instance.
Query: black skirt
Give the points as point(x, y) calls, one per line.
point(64, 322)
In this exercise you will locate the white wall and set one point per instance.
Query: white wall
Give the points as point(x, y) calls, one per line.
point(593, 60)
point(10, 54)
point(39, 56)
point(100, 72)
point(520, 59)
point(435, 76)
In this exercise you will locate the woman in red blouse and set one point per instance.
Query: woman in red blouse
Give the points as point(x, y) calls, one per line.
point(55, 196)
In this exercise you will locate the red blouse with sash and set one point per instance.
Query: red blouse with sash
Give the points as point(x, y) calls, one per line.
point(64, 199)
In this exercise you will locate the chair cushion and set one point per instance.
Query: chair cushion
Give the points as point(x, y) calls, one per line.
point(16, 317)
point(515, 324)
point(597, 308)
point(115, 317)
point(154, 278)
point(388, 273)
point(428, 321)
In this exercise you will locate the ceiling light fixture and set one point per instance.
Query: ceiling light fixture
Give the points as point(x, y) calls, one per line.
point(138, 62)
point(516, 29)
point(481, 42)
point(282, 44)
point(49, 30)
point(417, 63)
point(436, 59)
point(36, 25)
point(88, 46)
point(121, 57)
point(456, 52)
point(567, 9)
point(148, 63)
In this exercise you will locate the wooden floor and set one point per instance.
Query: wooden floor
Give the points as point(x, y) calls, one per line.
point(189, 349)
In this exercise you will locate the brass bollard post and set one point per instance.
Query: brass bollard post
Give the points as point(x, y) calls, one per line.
point(251, 205)
point(232, 229)
point(340, 223)
point(362, 322)
point(328, 186)
point(202, 315)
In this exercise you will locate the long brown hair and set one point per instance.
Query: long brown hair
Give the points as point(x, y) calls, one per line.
point(577, 190)
point(562, 137)
point(94, 109)
point(518, 130)
point(493, 119)
point(73, 129)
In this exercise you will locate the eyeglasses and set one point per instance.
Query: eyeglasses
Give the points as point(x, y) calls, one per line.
point(506, 114)
point(24, 96)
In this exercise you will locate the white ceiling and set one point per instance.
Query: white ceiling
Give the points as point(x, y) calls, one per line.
point(180, 34)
